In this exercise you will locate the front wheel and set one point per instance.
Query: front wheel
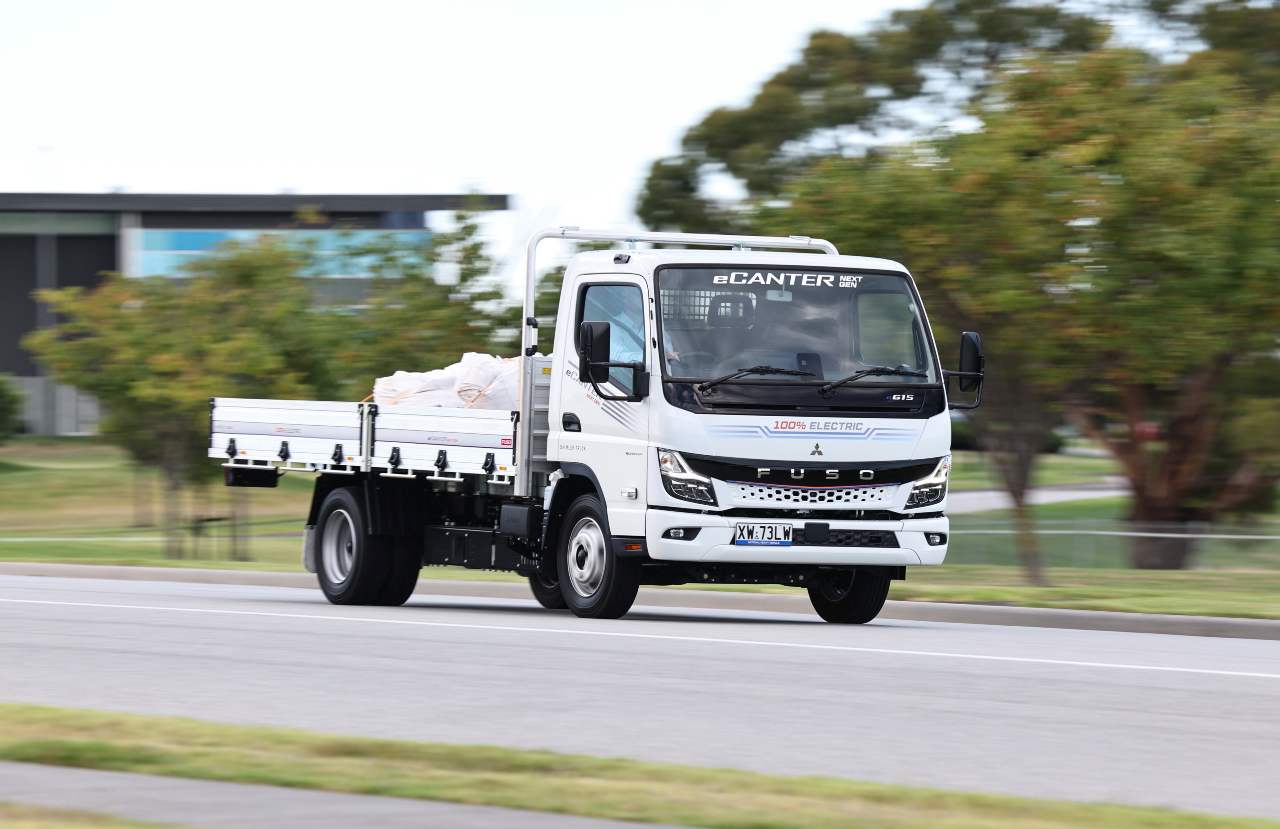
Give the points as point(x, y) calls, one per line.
point(594, 582)
point(850, 597)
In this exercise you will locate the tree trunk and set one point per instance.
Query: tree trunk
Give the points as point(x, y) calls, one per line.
point(1028, 544)
point(143, 507)
point(173, 546)
point(239, 525)
point(1149, 552)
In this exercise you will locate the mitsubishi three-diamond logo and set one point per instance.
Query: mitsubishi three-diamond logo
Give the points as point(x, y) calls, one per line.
point(817, 449)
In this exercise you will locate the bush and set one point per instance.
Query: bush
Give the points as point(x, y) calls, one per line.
point(965, 439)
point(10, 409)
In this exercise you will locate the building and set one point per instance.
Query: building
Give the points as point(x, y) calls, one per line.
point(53, 240)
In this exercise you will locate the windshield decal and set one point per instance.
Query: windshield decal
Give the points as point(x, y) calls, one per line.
point(889, 434)
point(784, 280)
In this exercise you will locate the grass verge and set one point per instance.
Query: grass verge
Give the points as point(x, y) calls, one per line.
point(19, 816)
point(535, 780)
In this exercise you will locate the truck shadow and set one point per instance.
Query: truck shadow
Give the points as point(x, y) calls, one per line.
point(516, 607)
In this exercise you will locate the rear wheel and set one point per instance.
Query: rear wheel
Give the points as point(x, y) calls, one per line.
point(355, 567)
point(594, 582)
point(547, 592)
point(850, 597)
point(402, 571)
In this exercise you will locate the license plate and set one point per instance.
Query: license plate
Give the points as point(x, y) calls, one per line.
point(763, 535)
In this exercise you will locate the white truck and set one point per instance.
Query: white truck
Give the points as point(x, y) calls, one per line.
point(733, 415)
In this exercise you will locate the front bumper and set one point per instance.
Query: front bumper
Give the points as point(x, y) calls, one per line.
point(714, 541)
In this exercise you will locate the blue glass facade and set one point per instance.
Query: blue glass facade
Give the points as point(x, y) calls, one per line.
point(336, 253)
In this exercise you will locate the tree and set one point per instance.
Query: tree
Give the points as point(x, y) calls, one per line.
point(420, 318)
point(10, 409)
point(845, 90)
point(154, 350)
point(1119, 219)
point(971, 236)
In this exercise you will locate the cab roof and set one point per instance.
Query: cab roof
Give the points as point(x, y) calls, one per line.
point(646, 260)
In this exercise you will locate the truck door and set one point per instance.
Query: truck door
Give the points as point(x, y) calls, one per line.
point(612, 437)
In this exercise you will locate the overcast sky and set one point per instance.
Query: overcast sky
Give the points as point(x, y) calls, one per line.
point(560, 103)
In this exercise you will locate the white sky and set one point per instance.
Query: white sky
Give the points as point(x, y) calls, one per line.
point(562, 104)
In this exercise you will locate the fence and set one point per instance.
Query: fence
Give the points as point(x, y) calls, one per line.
point(1107, 543)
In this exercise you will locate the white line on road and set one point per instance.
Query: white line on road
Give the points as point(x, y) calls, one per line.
point(1070, 663)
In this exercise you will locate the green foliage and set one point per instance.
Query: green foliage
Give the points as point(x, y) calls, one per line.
point(425, 309)
point(242, 322)
point(153, 351)
point(10, 409)
point(843, 86)
point(1113, 228)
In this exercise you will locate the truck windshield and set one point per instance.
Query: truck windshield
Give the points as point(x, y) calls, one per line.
point(831, 323)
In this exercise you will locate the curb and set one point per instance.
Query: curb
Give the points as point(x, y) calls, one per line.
point(973, 614)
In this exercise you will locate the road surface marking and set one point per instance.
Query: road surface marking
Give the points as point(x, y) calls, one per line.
point(1029, 660)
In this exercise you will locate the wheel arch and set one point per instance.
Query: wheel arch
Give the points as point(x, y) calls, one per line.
point(579, 480)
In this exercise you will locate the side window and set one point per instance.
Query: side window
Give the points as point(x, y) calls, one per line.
point(887, 331)
point(622, 306)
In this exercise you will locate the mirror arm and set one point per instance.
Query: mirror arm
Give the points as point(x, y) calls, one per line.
point(638, 373)
point(977, 398)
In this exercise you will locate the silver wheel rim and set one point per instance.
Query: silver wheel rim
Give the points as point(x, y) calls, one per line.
point(338, 546)
point(585, 557)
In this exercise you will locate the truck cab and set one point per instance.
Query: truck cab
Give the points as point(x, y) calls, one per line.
point(750, 416)
point(766, 411)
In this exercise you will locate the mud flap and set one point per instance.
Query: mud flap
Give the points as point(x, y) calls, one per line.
point(309, 548)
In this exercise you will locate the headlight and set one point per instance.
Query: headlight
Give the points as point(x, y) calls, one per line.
point(681, 482)
point(933, 488)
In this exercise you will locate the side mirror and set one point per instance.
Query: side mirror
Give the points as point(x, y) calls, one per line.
point(593, 352)
point(971, 361)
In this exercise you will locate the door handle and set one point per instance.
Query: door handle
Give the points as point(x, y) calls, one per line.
point(570, 422)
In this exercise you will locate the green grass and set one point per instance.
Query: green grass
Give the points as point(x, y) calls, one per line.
point(1240, 593)
point(78, 491)
point(19, 816)
point(1075, 534)
point(535, 780)
point(84, 485)
point(973, 470)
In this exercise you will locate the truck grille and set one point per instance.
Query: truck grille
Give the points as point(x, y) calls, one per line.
point(850, 538)
point(767, 494)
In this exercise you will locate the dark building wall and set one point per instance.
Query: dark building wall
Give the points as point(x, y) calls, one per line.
point(266, 221)
point(76, 260)
point(82, 260)
point(17, 307)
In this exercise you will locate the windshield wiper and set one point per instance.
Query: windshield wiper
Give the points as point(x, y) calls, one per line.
point(742, 372)
point(870, 372)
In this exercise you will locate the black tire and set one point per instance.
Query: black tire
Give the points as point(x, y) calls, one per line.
point(402, 572)
point(598, 585)
point(850, 597)
point(548, 595)
point(351, 565)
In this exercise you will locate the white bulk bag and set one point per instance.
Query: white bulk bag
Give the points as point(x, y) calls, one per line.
point(477, 381)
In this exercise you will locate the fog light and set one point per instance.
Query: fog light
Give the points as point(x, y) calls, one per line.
point(935, 539)
point(682, 533)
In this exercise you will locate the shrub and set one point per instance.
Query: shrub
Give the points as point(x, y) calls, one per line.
point(10, 409)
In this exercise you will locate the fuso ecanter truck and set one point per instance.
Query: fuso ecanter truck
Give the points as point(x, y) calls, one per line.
point(737, 410)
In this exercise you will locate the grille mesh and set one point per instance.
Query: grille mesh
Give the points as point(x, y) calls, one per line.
point(850, 538)
point(762, 494)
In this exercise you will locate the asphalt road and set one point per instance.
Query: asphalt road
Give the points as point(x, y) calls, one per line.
point(1178, 721)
